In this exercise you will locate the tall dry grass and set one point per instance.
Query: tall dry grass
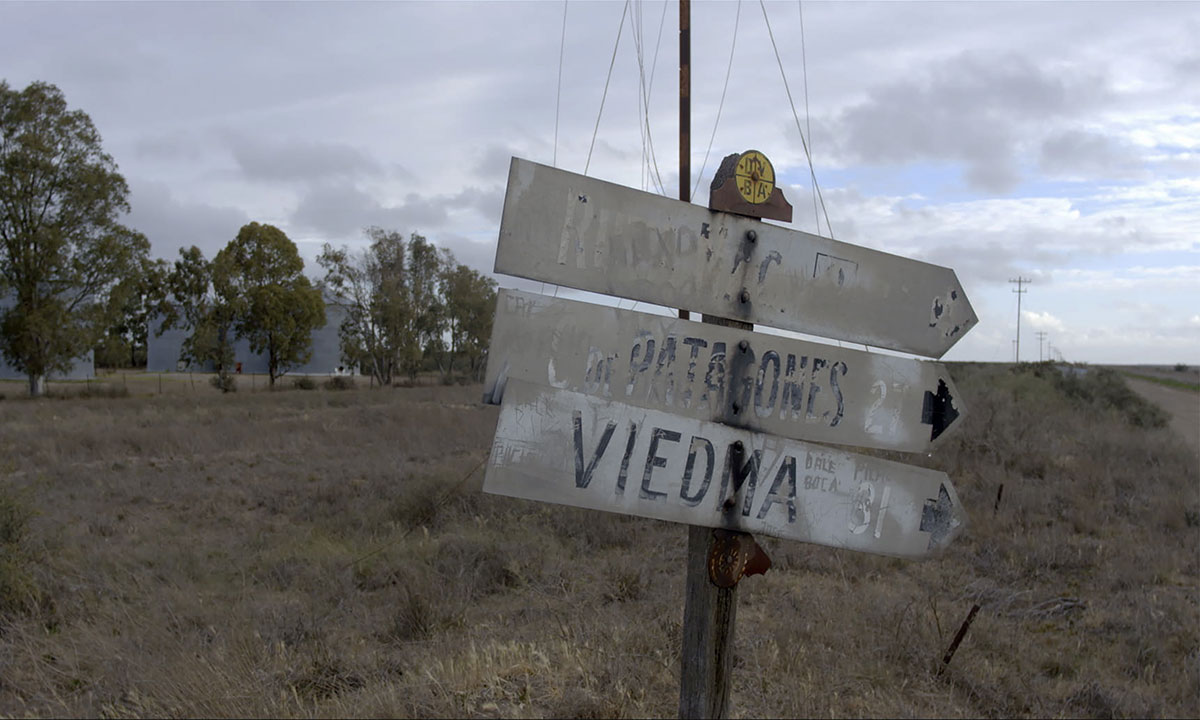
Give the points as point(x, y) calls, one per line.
point(316, 553)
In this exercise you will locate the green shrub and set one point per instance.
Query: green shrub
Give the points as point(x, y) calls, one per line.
point(1180, 367)
point(339, 382)
point(304, 383)
point(1101, 389)
point(224, 383)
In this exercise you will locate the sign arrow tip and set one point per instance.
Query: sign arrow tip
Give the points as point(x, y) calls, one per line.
point(938, 409)
point(942, 518)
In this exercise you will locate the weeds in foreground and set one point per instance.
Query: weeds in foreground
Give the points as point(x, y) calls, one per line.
point(313, 554)
point(18, 593)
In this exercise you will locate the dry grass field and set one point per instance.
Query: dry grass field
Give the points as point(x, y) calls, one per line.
point(317, 553)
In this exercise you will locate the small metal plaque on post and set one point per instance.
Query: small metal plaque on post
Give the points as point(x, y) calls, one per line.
point(745, 185)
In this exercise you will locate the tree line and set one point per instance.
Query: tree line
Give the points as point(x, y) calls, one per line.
point(75, 279)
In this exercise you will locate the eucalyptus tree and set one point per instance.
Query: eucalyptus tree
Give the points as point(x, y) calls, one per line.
point(371, 287)
point(260, 277)
point(469, 299)
point(62, 247)
point(136, 301)
point(193, 304)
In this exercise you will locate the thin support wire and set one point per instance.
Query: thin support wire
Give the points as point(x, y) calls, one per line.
point(611, 63)
point(662, 21)
point(807, 117)
point(562, 44)
point(732, 45)
point(796, 117)
point(644, 111)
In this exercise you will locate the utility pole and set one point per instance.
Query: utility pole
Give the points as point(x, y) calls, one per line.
point(685, 107)
point(709, 612)
point(1020, 281)
point(1041, 335)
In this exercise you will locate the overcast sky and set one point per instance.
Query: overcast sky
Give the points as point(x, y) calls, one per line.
point(1058, 142)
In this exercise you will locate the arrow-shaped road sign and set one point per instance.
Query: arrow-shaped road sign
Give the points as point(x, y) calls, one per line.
point(754, 381)
point(572, 230)
point(574, 449)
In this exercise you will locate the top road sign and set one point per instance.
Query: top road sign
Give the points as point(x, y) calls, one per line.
point(572, 230)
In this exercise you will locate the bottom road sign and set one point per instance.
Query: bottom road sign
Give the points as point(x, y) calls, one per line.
point(566, 447)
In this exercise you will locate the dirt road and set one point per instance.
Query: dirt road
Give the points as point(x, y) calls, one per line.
point(1183, 405)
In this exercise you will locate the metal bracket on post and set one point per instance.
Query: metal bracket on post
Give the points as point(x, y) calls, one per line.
point(734, 555)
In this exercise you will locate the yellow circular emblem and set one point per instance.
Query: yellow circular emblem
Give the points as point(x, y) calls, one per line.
point(755, 177)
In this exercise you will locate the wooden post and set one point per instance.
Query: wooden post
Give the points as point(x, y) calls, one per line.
point(685, 107)
point(709, 617)
point(709, 614)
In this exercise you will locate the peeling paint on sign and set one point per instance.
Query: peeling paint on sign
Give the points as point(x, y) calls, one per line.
point(570, 448)
point(584, 233)
point(786, 387)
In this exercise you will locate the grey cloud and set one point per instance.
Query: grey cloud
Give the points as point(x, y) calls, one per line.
point(342, 210)
point(272, 160)
point(487, 203)
point(169, 146)
point(972, 109)
point(1080, 153)
point(991, 262)
point(493, 163)
point(170, 224)
point(478, 255)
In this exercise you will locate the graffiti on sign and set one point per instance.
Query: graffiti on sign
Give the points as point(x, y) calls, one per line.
point(787, 387)
point(570, 448)
point(585, 233)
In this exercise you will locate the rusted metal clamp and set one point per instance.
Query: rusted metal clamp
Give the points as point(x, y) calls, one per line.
point(734, 555)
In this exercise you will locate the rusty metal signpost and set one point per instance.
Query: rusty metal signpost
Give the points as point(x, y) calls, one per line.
point(711, 424)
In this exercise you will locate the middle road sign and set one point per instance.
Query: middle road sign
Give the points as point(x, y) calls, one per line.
point(753, 381)
point(563, 447)
point(572, 230)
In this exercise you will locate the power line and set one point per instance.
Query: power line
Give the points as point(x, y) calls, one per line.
point(611, 63)
point(562, 45)
point(807, 117)
point(1041, 336)
point(795, 116)
point(1019, 281)
point(649, 159)
point(736, 20)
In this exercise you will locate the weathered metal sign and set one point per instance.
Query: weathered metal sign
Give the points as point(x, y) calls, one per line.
point(574, 449)
point(754, 381)
point(584, 233)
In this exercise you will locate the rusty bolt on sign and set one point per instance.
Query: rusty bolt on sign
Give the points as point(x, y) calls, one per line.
point(734, 555)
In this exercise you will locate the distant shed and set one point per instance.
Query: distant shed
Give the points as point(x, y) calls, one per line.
point(162, 353)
